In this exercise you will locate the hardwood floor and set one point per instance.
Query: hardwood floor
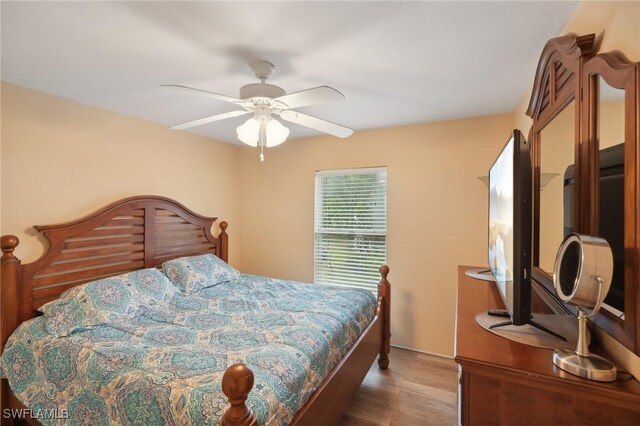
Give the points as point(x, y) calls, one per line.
point(417, 389)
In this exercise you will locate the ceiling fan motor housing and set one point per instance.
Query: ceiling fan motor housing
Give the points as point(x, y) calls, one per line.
point(261, 90)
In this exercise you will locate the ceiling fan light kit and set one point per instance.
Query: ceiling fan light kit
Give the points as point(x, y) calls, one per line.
point(248, 132)
point(262, 129)
point(265, 100)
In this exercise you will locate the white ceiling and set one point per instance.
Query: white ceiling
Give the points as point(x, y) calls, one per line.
point(396, 62)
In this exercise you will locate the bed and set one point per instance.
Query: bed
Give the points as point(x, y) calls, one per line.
point(137, 234)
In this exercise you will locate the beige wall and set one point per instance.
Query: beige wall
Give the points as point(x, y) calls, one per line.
point(437, 213)
point(61, 160)
point(617, 25)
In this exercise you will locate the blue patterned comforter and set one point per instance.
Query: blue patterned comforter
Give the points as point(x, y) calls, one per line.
point(165, 365)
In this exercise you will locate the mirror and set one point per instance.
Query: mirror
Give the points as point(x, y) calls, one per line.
point(586, 116)
point(611, 171)
point(557, 156)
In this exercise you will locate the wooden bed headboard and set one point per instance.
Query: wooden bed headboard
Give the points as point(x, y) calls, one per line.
point(130, 234)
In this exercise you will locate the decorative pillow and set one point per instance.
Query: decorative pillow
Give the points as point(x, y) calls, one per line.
point(102, 301)
point(193, 273)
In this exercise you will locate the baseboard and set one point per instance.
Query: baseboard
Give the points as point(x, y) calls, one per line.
point(423, 352)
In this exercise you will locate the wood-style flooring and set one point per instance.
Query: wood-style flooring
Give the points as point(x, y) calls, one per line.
point(416, 389)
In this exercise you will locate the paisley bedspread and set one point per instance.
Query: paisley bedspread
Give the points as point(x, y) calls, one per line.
point(165, 365)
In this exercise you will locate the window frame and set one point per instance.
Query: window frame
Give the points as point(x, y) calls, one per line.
point(316, 209)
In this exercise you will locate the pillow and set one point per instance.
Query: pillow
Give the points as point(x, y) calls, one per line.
point(193, 273)
point(105, 300)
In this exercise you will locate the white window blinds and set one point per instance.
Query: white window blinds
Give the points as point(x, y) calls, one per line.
point(350, 226)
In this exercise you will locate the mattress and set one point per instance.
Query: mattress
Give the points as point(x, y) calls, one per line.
point(165, 366)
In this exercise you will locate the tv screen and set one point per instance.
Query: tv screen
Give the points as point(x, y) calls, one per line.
point(611, 216)
point(510, 187)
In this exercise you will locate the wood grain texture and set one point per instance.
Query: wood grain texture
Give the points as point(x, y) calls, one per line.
point(384, 293)
point(416, 390)
point(505, 382)
point(236, 385)
point(617, 72)
point(564, 50)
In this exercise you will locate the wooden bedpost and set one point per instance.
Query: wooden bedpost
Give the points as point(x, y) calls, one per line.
point(224, 241)
point(236, 385)
point(9, 265)
point(384, 292)
point(9, 287)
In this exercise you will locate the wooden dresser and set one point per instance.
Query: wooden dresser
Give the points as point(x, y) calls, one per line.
point(504, 382)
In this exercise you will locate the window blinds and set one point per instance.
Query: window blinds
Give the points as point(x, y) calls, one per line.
point(350, 226)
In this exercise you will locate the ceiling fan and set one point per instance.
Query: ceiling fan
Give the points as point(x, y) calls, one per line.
point(265, 100)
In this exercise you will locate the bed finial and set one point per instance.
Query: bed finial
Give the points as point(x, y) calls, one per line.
point(236, 385)
point(384, 293)
point(384, 271)
point(8, 244)
point(224, 241)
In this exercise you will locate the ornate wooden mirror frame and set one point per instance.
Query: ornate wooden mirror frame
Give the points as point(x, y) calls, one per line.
point(618, 72)
point(568, 71)
point(557, 83)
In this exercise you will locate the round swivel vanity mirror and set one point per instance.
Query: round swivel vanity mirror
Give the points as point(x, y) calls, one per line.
point(582, 276)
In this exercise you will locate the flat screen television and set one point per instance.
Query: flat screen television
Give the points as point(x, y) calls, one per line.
point(510, 230)
point(510, 226)
point(611, 216)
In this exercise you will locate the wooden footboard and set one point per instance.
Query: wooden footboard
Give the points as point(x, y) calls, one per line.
point(329, 402)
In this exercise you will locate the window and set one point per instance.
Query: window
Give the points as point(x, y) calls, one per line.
point(350, 226)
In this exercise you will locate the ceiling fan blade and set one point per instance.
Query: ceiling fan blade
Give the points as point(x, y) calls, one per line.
point(210, 119)
point(317, 95)
point(205, 93)
point(316, 123)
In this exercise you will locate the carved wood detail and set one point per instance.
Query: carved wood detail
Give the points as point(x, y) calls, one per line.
point(566, 72)
point(557, 83)
point(121, 237)
point(557, 64)
point(237, 382)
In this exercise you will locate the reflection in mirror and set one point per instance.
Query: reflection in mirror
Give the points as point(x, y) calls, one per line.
point(557, 155)
point(611, 186)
